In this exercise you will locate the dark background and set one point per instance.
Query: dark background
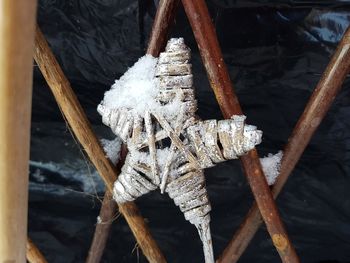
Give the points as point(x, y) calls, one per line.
point(276, 52)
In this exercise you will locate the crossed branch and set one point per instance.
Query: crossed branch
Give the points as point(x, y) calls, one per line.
point(317, 107)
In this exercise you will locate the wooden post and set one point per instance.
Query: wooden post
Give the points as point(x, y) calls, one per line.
point(204, 32)
point(77, 120)
point(316, 109)
point(17, 24)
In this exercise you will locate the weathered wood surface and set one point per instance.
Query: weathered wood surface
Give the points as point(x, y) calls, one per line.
point(17, 27)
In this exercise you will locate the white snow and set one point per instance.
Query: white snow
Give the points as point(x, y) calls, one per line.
point(137, 90)
point(112, 149)
point(271, 166)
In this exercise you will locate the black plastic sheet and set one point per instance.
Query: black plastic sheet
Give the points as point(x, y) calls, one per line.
point(276, 52)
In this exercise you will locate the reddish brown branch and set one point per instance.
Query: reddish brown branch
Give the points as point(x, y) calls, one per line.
point(316, 109)
point(198, 15)
point(105, 219)
point(164, 19)
point(104, 222)
point(81, 128)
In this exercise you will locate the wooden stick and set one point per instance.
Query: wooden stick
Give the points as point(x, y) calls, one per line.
point(315, 110)
point(198, 15)
point(105, 219)
point(161, 26)
point(81, 127)
point(164, 19)
point(17, 27)
point(33, 253)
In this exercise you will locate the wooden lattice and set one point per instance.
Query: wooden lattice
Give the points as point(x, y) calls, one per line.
point(198, 15)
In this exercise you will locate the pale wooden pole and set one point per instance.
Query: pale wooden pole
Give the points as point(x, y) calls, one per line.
point(17, 27)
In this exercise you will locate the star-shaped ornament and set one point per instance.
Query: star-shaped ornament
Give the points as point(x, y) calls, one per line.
point(152, 109)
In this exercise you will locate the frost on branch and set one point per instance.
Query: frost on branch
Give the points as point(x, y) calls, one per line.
point(152, 109)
